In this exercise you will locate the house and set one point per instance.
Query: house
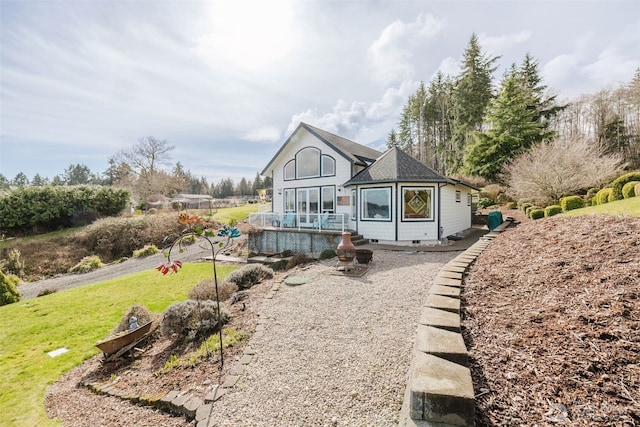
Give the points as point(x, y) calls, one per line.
point(323, 181)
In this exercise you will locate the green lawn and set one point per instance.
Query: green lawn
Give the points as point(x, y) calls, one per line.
point(75, 319)
point(232, 215)
point(626, 207)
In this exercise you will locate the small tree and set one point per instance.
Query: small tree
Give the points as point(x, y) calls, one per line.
point(550, 171)
point(8, 289)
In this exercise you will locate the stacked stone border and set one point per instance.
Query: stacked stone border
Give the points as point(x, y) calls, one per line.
point(188, 403)
point(439, 386)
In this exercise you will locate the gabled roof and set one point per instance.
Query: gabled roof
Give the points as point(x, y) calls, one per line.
point(397, 166)
point(356, 153)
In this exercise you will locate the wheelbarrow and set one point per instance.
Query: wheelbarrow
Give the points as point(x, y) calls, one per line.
point(115, 347)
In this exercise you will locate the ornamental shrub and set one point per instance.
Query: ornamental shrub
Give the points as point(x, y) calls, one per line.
point(637, 190)
point(628, 190)
point(190, 319)
point(570, 203)
point(485, 202)
point(147, 250)
point(602, 196)
point(249, 275)
point(8, 289)
point(140, 312)
point(14, 263)
point(206, 290)
point(590, 195)
point(327, 254)
point(512, 205)
point(536, 213)
point(298, 259)
point(552, 210)
point(524, 206)
point(619, 182)
point(87, 264)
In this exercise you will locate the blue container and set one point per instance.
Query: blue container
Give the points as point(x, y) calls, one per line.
point(494, 219)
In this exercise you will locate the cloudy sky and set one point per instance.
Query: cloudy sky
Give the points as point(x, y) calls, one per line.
point(227, 81)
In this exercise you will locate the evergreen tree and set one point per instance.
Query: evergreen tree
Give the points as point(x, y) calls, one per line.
point(471, 96)
point(513, 130)
point(39, 181)
point(257, 184)
point(78, 174)
point(4, 182)
point(20, 180)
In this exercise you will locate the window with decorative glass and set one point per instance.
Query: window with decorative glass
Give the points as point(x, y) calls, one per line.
point(417, 203)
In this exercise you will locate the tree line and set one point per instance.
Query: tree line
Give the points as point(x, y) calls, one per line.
point(145, 169)
point(463, 125)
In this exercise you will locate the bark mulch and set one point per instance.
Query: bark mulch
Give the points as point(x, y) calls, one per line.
point(552, 321)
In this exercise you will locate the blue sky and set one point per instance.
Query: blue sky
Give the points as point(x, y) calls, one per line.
point(227, 81)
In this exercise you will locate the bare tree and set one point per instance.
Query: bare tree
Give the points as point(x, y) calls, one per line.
point(550, 171)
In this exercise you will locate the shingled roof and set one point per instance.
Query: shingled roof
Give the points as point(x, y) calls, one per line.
point(397, 166)
point(356, 153)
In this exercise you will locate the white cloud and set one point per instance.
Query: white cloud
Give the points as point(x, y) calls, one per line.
point(392, 54)
point(497, 45)
point(263, 134)
point(449, 66)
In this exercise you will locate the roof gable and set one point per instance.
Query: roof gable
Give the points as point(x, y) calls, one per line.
point(352, 151)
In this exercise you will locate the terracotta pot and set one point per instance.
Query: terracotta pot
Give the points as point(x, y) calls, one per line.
point(364, 255)
point(346, 251)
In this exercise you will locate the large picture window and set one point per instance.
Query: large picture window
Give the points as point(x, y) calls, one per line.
point(308, 163)
point(417, 203)
point(375, 204)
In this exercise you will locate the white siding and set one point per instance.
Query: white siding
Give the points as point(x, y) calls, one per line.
point(456, 216)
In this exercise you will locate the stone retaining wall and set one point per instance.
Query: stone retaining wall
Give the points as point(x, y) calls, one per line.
point(439, 387)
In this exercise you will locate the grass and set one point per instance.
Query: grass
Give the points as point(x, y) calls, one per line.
point(626, 207)
point(231, 216)
point(75, 319)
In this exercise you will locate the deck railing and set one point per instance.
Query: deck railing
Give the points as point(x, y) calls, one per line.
point(296, 221)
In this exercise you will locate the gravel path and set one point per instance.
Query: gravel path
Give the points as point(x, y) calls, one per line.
point(336, 350)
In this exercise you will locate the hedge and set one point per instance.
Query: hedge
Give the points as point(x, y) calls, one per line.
point(628, 190)
point(619, 182)
point(536, 213)
point(570, 203)
point(603, 196)
point(552, 210)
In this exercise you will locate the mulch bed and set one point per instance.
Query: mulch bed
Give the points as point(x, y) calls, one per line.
point(551, 316)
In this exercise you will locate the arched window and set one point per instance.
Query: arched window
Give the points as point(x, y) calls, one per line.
point(328, 165)
point(290, 170)
point(308, 163)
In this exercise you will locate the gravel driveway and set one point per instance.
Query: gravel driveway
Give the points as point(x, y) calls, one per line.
point(336, 350)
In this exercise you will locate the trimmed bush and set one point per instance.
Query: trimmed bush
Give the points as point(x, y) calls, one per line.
point(140, 312)
point(249, 275)
point(637, 190)
point(536, 213)
point(146, 251)
point(190, 319)
point(570, 203)
point(206, 290)
point(619, 182)
point(628, 190)
point(524, 206)
point(327, 254)
point(512, 205)
point(602, 196)
point(590, 195)
point(485, 202)
point(552, 210)
point(9, 289)
point(87, 264)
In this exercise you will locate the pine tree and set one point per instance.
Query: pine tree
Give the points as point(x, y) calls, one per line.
point(513, 130)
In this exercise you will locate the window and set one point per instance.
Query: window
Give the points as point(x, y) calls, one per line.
point(458, 196)
point(417, 203)
point(376, 204)
point(328, 165)
point(308, 163)
point(290, 200)
point(353, 205)
point(290, 170)
point(328, 199)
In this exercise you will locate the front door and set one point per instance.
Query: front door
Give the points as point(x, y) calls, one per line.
point(308, 205)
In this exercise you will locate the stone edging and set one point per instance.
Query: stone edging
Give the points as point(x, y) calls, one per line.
point(185, 403)
point(439, 386)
